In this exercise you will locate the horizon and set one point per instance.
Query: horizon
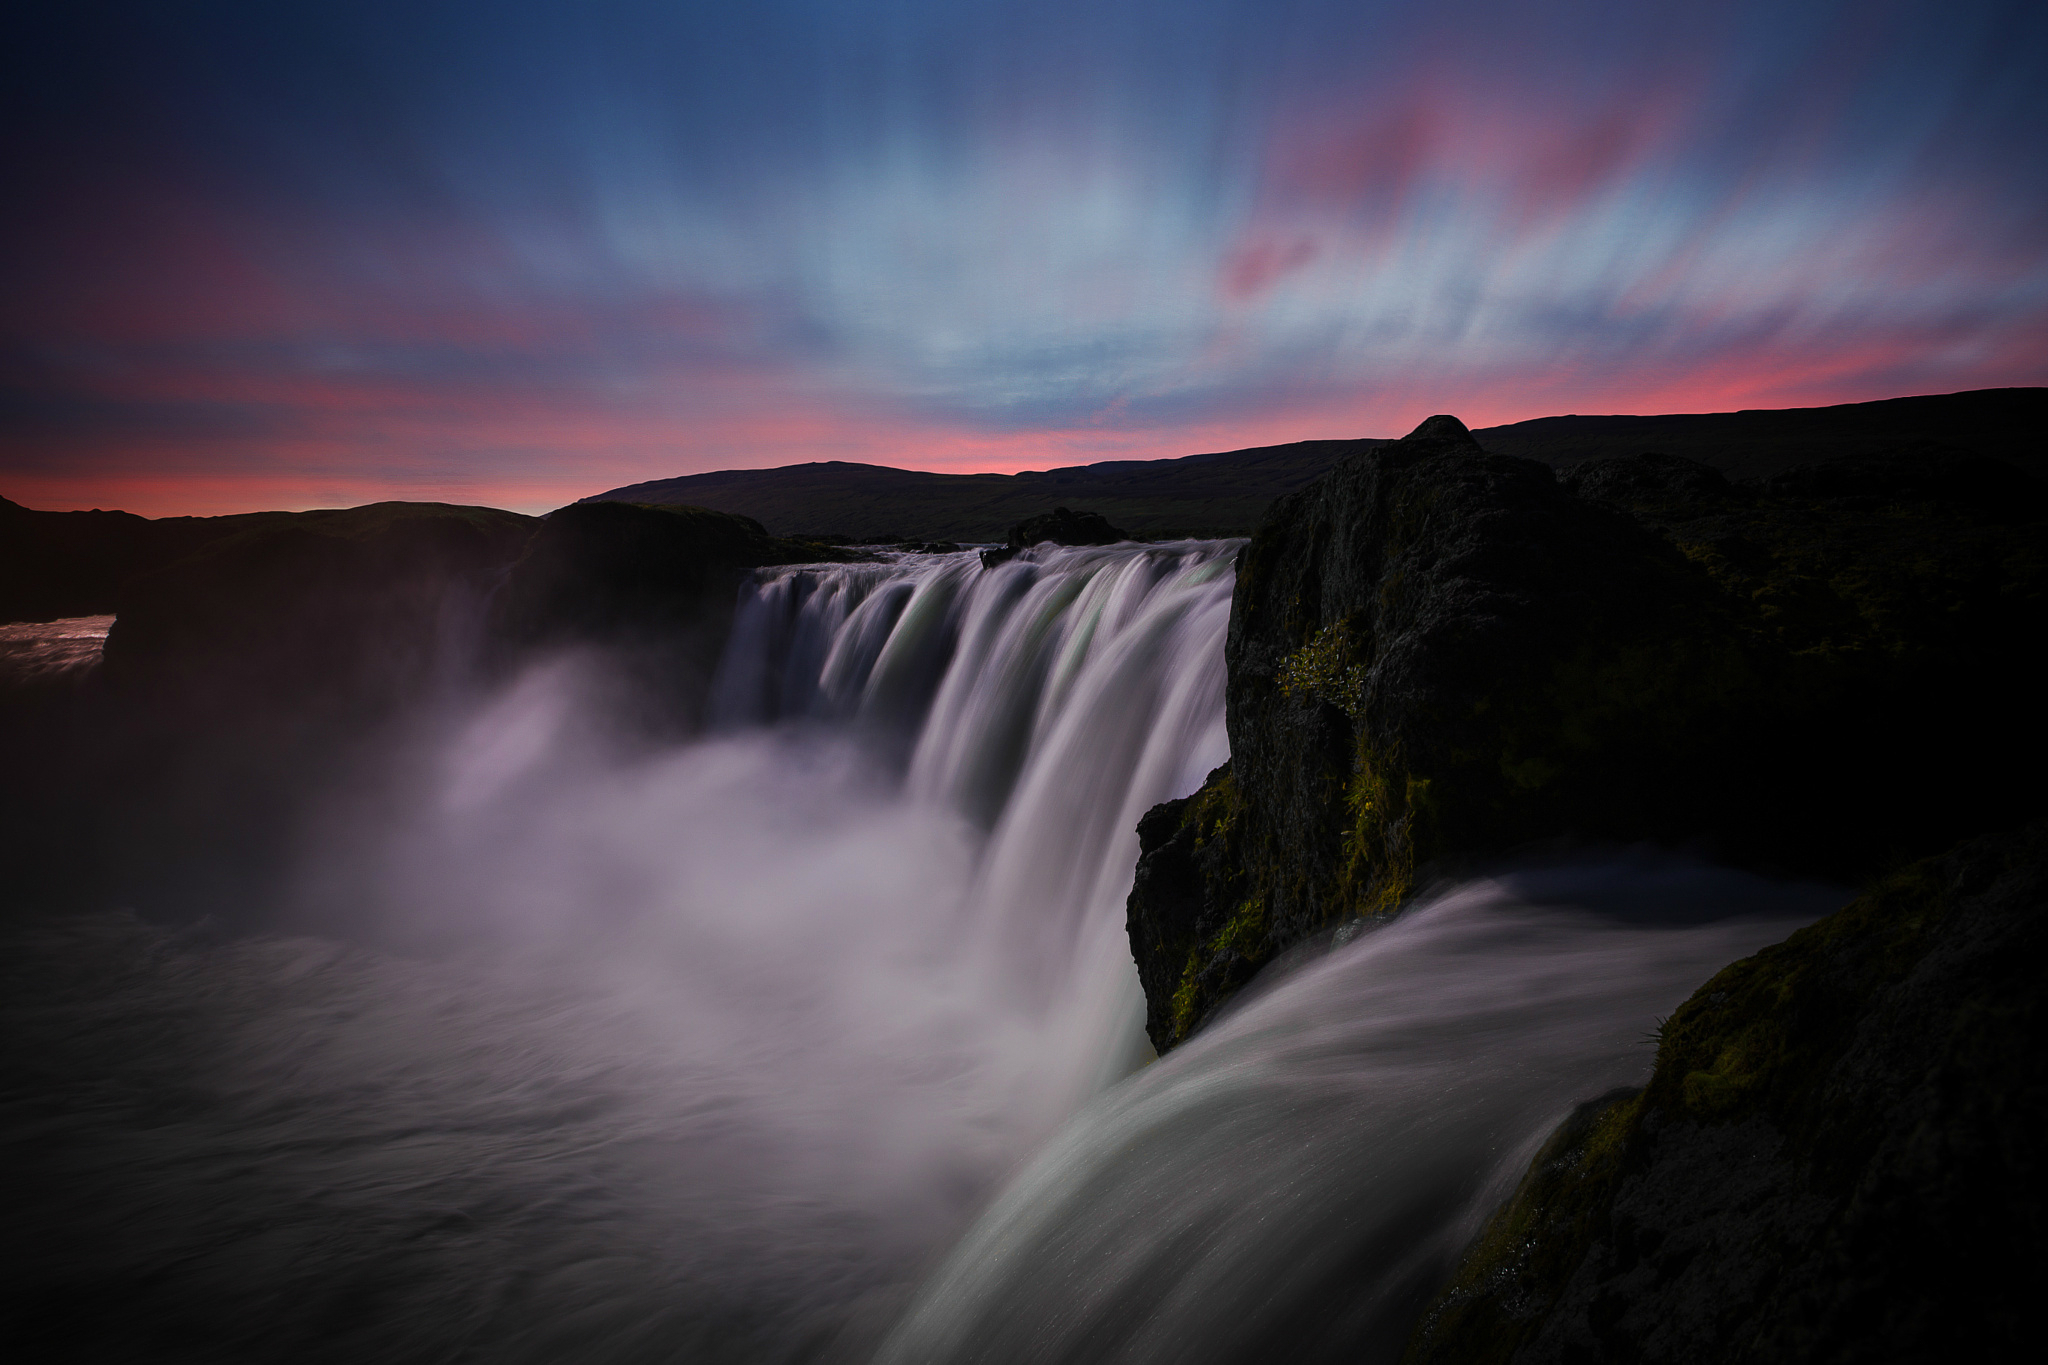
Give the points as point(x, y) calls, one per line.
point(276, 260)
point(543, 509)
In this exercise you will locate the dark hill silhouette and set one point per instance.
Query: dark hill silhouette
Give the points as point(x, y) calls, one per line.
point(1224, 493)
point(2005, 423)
point(1215, 494)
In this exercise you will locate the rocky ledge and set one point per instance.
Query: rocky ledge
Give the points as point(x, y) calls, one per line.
point(1838, 1156)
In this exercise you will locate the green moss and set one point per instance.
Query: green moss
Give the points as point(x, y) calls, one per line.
point(1326, 669)
point(1214, 810)
point(1245, 932)
point(1385, 810)
point(1531, 1247)
point(1759, 1039)
point(1241, 944)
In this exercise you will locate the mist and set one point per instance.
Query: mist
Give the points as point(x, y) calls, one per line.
point(566, 1041)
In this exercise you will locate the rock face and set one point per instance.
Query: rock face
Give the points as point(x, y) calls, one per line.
point(655, 586)
point(1838, 1156)
point(312, 609)
point(1437, 654)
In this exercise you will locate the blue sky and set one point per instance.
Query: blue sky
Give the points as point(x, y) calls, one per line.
point(305, 255)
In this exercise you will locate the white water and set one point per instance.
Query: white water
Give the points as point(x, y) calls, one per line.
point(594, 1051)
point(44, 651)
point(698, 1051)
point(1294, 1182)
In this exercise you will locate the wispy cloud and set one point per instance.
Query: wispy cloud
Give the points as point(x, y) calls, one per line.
point(516, 253)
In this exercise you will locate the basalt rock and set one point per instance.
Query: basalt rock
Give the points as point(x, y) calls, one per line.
point(1837, 1157)
point(607, 570)
point(1436, 654)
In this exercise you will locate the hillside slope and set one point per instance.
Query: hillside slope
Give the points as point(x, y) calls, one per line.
point(1225, 493)
point(1212, 495)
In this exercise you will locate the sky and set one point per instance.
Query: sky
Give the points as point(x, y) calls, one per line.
point(256, 255)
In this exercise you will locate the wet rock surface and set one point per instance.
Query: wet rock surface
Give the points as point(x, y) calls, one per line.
point(1836, 1158)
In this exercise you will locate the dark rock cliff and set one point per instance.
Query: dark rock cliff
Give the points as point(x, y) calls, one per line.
point(324, 609)
point(244, 684)
point(57, 564)
point(1838, 1156)
point(1438, 654)
point(271, 667)
point(653, 586)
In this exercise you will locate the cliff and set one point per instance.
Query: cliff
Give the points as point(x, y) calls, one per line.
point(1437, 654)
point(321, 609)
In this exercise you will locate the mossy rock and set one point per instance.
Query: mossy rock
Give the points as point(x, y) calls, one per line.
point(1837, 1156)
point(1438, 655)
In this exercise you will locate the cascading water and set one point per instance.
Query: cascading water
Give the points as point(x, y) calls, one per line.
point(1052, 701)
point(1294, 1182)
point(598, 1053)
point(589, 1051)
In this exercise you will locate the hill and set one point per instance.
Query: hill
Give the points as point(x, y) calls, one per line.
point(1225, 493)
point(2005, 423)
point(1210, 495)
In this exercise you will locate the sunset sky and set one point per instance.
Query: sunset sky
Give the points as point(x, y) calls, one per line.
point(317, 254)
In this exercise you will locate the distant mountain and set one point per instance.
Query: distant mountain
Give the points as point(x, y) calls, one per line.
point(1227, 492)
point(2009, 424)
point(1201, 495)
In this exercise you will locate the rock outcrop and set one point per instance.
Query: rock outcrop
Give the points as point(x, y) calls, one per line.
point(313, 610)
point(58, 564)
point(273, 667)
point(1060, 526)
point(653, 586)
point(245, 684)
point(1437, 654)
point(1838, 1156)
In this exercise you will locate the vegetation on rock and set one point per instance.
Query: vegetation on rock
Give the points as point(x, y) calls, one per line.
point(1837, 1156)
point(1437, 654)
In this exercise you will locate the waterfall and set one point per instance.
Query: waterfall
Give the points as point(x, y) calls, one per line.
point(587, 1047)
point(1296, 1181)
point(1051, 700)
